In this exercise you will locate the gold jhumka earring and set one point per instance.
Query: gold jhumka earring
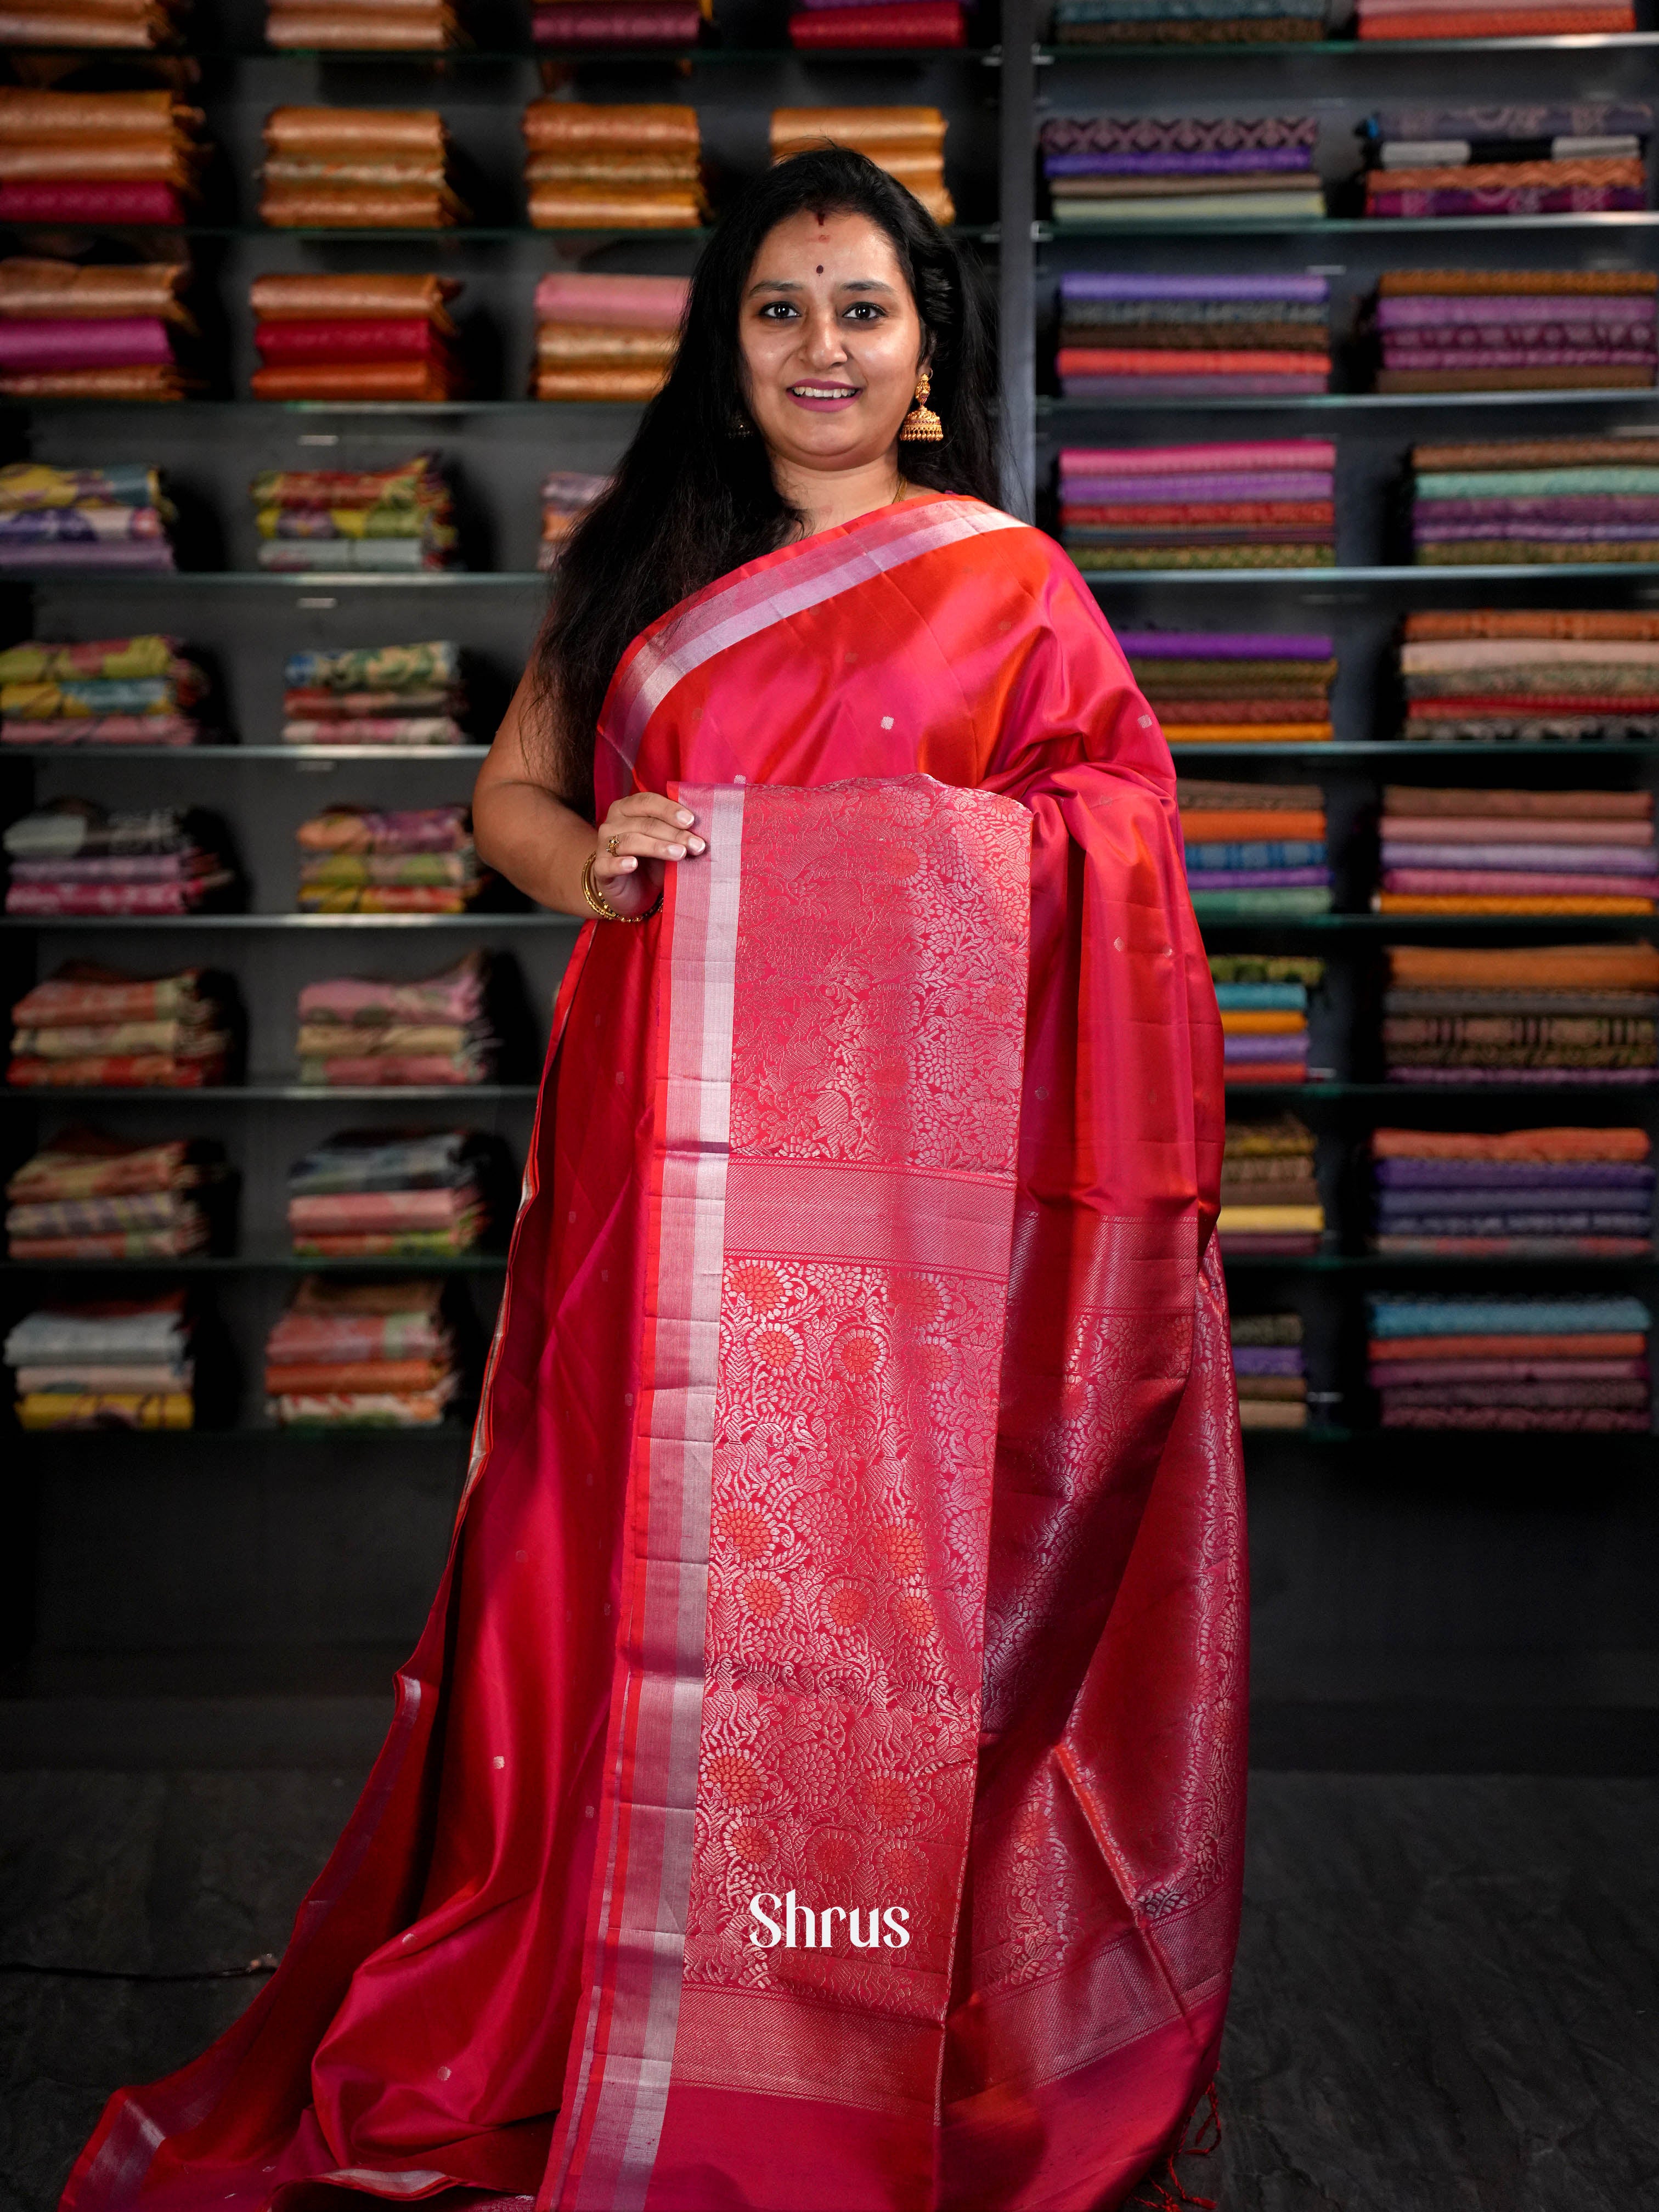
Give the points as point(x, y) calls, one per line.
point(921, 427)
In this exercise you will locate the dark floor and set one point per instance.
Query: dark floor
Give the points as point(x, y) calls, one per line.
point(1446, 1996)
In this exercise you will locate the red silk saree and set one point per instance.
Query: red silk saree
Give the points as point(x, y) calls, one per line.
point(820, 1785)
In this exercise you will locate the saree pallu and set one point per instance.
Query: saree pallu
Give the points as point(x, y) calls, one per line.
point(854, 1521)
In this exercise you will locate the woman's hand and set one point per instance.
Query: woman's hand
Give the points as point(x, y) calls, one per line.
point(638, 838)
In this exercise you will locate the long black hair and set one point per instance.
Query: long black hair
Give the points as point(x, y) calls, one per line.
point(691, 500)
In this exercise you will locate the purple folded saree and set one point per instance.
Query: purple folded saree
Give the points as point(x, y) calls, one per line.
point(120, 341)
point(1240, 161)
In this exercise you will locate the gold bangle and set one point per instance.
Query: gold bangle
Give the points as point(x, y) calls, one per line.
point(598, 904)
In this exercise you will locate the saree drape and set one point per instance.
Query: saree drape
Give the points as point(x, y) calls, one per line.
point(820, 1781)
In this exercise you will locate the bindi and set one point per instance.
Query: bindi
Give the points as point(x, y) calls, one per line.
point(820, 269)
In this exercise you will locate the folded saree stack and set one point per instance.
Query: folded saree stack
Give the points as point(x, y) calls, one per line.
point(91, 1027)
point(1525, 1194)
point(1192, 337)
point(1258, 504)
point(69, 332)
point(1263, 1000)
point(1512, 1364)
point(1186, 22)
point(114, 25)
point(1255, 852)
point(605, 338)
point(104, 691)
point(361, 1029)
point(114, 517)
point(364, 25)
point(1221, 687)
point(1517, 330)
point(395, 1194)
point(1582, 1015)
point(117, 1364)
point(1507, 160)
point(908, 142)
point(361, 1355)
point(375, 695)
point(1271, 1370)
point(664, 24)
point(1106, 171)
point(630, 166)
point(1516, 852)
point(358, 168)
point(816, 24)
point(397, 519)
point(567, 494)
point(1492, 19)
point(1270, 1201)
point(98, 157)
point(1539, 500)
point(87, 1195)
point(71, 856)
point(360, 860)
point(1566, 676)
point(355, 337)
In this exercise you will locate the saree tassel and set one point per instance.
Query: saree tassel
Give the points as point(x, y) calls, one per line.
point(1171, 2192)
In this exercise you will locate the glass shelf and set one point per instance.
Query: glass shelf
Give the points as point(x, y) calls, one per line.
point(193, 756)
point(272, 410)
point(273, 1094)
point(1401, 752)
point(1458, 925)
point(1336, 403)
point(458, 234)
point(457, 1436)
point(1376, 1263)
point(485, 922)
point(272, 1260)
point(304, 579)
point(1332, 225)
point(496, 56)
point(1425, 577)
point(1600, 42)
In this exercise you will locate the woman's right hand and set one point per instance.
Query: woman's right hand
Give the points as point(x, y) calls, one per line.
point(640, 836)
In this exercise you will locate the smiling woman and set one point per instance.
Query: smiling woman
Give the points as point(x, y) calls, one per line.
point(855, 1507)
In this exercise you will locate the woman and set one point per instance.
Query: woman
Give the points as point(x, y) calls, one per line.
point(820, 1783)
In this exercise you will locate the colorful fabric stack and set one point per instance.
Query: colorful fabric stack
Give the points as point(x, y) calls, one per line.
point(1507, 160)
point(355, 337)
point(89, 1196)
point(1564, 501)
point(1255, 852)
point(356, 860)
point(817, 24)
point(121, 1364)
point(1515, 330)
point(625, 167)
point(361, 1355)
point(379, 519)
point(661, 23)
point(1531, 675)
point(68, 332)
point(908, 142)
point(1270, 1201)
point(1106, 171)
point(71, 856)
point(358, 1030)
point(1527, 1194)
point(98, 157)
point(358, 168)
point(1512, 1364)
point(375, 695)
point(1262, 504)
point(113, 517)
point(395, 1194)
point(91, 1027)
point(363, 26)
point(1580, 1014)
point(1516, 852)
point(1263, 999)
point(1192, 337)
point(567, 494)
point(121, 25)
point(1186, 22)
point(1271, 1370)
point(605, 338)
point(106, 692)
point(1492, 19)
point(1221, 687)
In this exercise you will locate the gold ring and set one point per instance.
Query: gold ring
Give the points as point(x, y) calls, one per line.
point(611, 843)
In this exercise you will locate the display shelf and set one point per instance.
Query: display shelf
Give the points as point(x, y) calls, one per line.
point(1347, 225)
point(270, 1093)
point(457, 235)
point(297, 756)
point(1052, 407)
point(440, 57)
point(1455, 925)
point(200, 924)
point(454, 1435)
point(212, 579)
point(1411, 576)
point(1403, 751)
point(1354, 50)
point(1377, 1263)
point(273, 1259)
point(1510, 1096)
